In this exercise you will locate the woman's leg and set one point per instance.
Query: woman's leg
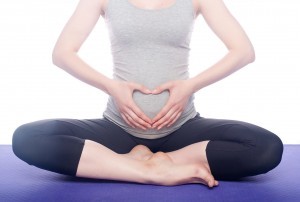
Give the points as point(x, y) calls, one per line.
point(72, 147)
point(140, 152)
point(158, 169)
point(62, 146)
point(232, 149)
point(187, 154)
point(56, 145)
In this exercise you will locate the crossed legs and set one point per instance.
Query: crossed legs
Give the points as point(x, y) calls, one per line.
point(99, 149)
point(192, 155)
point(140, 165)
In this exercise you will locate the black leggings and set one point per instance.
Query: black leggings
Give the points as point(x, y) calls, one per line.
point(236, 149)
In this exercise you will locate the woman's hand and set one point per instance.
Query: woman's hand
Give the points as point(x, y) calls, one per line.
point(122, 92)
point(180, 92)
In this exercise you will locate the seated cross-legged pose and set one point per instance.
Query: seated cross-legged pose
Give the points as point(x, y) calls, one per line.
point(150, 131)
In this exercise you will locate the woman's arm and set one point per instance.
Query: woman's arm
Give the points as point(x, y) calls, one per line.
point(240, 53)
point(240, 49)
point(65, 56)
point(72, 37)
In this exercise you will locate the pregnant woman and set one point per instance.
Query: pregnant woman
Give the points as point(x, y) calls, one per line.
point(150, 131)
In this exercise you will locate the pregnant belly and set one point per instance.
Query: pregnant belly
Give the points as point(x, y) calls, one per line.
point(151, 104)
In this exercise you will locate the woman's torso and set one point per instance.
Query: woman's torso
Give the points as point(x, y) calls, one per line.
point(150, 47)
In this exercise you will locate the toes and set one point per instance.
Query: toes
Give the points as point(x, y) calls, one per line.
point(213, 183)
point(210, 181)
point(203, 173)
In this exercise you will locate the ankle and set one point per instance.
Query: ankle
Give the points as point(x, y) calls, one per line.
point(149, 173)
point(159, 168)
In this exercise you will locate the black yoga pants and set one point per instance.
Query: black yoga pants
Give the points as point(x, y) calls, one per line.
point(236, 149)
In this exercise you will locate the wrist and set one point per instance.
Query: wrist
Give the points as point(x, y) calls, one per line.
point(109, 86)
point(193, 85)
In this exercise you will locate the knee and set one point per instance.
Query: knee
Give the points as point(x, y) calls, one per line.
point(274, 151)
point(270, 153)
point(24, 141)
point(21, 140)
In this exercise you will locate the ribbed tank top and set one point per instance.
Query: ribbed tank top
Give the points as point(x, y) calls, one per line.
point(149, 47)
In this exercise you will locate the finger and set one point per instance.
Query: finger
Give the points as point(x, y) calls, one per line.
point(174, 115)
point(168, 118)
point(174, 119)
point(144, 120)
point(130, 121)
point(165, 119)
point(161, 114)
point(161, 88)
point(141, 88)
point(134, 119)
point(126, 120)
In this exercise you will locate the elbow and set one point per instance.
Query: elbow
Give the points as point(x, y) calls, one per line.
point(59, 57)
point(245, 55)
point(56, 57)
point(250, 55)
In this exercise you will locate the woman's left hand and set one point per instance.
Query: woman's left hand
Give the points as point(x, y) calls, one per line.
point(180, 92)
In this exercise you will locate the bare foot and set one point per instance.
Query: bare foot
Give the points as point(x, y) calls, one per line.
point(140, 152)
point(165, 172)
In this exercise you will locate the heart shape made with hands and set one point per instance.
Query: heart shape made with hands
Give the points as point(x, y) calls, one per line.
point(161, 106)
point(150, 103)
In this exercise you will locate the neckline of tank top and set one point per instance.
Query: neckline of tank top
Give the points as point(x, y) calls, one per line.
point(152, 10)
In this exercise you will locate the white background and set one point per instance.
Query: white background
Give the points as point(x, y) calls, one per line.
point(265, 92)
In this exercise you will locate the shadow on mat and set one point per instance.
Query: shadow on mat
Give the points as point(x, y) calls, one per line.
point(253, 179)
point(89, 180)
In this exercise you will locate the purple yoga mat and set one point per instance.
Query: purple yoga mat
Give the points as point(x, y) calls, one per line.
point(22, 182)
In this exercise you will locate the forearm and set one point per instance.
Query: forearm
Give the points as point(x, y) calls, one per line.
point(230, 63)
point(74, 65)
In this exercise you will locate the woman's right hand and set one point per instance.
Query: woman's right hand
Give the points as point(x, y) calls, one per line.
point(122, 91)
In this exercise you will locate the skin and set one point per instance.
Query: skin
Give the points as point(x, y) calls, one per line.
point(186, 165)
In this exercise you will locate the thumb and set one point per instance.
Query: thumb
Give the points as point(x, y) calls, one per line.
point(161, 88)
point(142, 88)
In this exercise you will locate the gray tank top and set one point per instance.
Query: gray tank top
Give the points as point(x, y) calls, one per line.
point(149, 47)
